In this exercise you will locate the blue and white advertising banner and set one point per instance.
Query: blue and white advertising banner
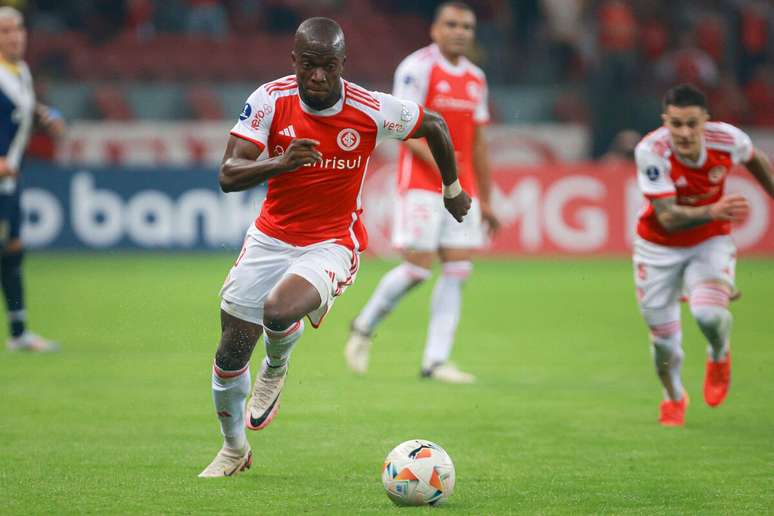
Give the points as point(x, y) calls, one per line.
point(150, 208)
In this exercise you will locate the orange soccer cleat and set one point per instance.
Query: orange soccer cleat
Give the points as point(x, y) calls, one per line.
point(717, 380)
point(673, 412)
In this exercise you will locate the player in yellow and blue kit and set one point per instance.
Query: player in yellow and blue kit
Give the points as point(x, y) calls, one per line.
point(19, 111)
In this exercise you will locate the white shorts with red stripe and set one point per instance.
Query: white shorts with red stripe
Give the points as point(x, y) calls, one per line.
point(423, 224)
point(663, 273)
point(264, 260)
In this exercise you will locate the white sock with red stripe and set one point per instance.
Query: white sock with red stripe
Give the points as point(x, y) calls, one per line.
point(279, 344)
point(668, 356)
point(445, 312)
point(709, 306)
point(229, 390)
point(393, 286)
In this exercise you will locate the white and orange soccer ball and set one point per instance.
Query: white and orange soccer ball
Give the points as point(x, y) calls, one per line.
point(418, 472)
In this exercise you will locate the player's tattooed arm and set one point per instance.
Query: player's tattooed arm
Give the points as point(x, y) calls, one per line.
point(676, 217)
point(239, 169)
point(435, 130)
point(760, 167)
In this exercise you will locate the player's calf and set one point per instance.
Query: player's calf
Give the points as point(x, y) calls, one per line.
point(709, 306)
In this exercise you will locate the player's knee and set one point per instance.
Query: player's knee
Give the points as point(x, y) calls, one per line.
point(459, 270)
point(279, 316)
point(709, 304)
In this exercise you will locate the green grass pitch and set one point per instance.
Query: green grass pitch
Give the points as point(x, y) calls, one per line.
point(562, 420)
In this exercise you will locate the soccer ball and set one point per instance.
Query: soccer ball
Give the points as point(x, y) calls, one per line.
point(418, 472)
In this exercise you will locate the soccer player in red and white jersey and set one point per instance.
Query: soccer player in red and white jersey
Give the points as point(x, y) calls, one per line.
point(441, 78)
point(310, 136)
point(683, 240)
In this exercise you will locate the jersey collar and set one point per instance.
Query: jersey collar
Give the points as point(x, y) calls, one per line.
point(699, 162)
point(333, 110)
point(447, 65)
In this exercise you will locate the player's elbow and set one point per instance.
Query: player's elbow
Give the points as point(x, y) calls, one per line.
point(225, 181)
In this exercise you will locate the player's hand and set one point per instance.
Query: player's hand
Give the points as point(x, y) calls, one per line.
point(733, 208)
point(5, 169)
point(458, 206)
point(300, 152)
point(51, 120)
point(489, 218)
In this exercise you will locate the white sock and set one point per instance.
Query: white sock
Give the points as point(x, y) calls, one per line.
point(229, 390)
point(445, 312)
point(709, 306)
point(392, 287)
point(668, 356)
point(279, 344)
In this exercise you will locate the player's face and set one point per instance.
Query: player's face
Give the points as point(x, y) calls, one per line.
point(686, 127)
point(13, 38)
point(454, 31)
point(318, 72)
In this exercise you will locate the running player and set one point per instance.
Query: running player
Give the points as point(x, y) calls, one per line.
point(683, 238)
point(18, 112)
point(310, 135)
point(443, 79)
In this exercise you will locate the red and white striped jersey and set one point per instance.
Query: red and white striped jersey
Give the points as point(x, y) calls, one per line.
point(459, 94)
point(321, 202)
point(661, 173)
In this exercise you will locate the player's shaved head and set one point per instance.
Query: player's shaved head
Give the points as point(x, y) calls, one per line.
point(318, 56)
point(320, 34)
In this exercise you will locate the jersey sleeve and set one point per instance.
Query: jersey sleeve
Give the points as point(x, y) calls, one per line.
point(398, 118)
point(255, 119)
point(653, 173)
point(743, 149)
point(481, 114)
point(411, 81)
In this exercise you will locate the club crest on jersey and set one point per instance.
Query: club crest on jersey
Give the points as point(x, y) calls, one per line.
point(716, 174)
point(348, 139)
point(653, 173)
point(278, 150)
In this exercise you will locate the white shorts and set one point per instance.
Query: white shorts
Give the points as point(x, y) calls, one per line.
point(423, 224)
point(264, 260)
point(662, 273)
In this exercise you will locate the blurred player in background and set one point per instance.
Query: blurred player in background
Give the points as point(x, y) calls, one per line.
point(18, 112)
point(441, 78)
point(310, 135)
point(683, 238)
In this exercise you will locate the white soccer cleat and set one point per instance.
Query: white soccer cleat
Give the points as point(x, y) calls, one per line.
point(448, 373)
point(264, 401)
point(228, 463)
point(32, 342)
point(356, 351)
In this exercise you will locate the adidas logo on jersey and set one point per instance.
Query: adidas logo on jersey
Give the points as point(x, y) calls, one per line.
point(288, 131)
point(443, 87)
point(681, 181)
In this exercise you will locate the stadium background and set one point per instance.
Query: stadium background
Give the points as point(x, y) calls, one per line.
point(150, 89)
